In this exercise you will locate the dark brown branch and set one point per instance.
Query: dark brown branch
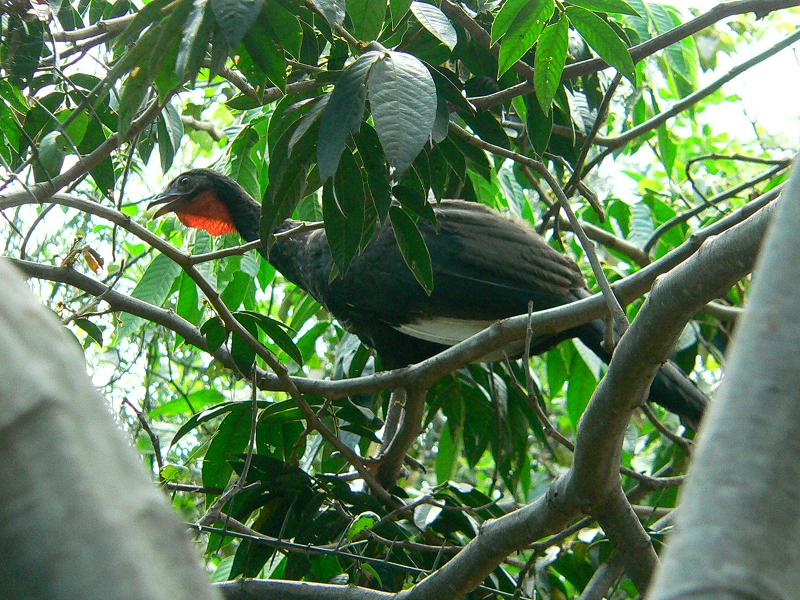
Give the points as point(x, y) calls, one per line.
point(199, 125)
point(276, 589)
point(408, 431)
point(102, 26)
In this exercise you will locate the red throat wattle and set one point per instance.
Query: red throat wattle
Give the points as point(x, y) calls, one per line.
point(207, 212)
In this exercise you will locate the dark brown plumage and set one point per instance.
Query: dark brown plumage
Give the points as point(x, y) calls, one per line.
point(485, 266)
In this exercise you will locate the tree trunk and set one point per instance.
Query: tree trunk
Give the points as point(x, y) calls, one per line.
point(738, 527)
point(79, 517)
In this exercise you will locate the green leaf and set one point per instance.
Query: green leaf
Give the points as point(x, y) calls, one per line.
point(580, 388)
point(402, 97)
point(603, 40)
point(551, 55)
point(188, 298)
point(285, 27)
point(215, 333)
point(365, 520)
point(642, 226)
point(204, 416)
point(343, 237)
point(234, 293)
point(607, 6)
point(153, 287)
point(170, 133)
point(449, 87)
point(50, 156)
point(556, 371)
point(367, 17)
point(266, 53)
point(398, 8)
point(374, 161)
point(236, 17)
point(425, 515)
point(194, 41)
point(668, 150)
point(435, 21)
point(523, 32)
point(441, 124)
point(344, 113)
point(242, 352)
point(228, 443)
point(192, 403)
point(332, 10)
point(276, 331)
point(412, 247)
point(103, 174)
point(29, 42)
point(287, 180)
point(348, 187)
point(241, 164)
point(506, 17)
point(134, 92)
point(447, 456)
point(92, 330)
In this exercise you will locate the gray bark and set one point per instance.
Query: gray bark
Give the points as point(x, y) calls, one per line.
point(738, 531)
point(79, 517)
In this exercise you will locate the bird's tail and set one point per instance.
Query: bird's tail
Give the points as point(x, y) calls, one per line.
point(671, 388)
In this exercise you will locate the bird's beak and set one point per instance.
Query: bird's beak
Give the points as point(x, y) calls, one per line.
point(170, 200)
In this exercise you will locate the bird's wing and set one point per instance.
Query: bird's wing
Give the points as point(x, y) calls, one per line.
point(485, 267)
point(481, 244)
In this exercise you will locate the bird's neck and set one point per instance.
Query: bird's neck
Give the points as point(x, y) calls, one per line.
point(285, 255)
point(245, 213)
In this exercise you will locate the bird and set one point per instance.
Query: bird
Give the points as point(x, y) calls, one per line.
point(486, 266)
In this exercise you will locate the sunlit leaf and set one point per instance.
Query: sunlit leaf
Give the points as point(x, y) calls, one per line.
point(402, 97)
point(435, 21)
point(603, 40)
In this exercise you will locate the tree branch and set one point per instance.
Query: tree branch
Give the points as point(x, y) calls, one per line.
point(651, 46)
point(429, 371)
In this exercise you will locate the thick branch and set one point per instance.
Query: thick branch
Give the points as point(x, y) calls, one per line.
point(593, 479)
point(739, 524)
point(408, 431)
point(262, 589)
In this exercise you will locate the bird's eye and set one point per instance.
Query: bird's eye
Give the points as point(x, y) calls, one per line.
point(183, 183)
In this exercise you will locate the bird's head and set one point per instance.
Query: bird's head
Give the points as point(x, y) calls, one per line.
point(205, 199)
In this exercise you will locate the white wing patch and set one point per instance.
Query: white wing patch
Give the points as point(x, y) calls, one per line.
point(443, 330)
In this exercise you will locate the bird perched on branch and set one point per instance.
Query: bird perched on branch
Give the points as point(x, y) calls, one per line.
point(485, 266)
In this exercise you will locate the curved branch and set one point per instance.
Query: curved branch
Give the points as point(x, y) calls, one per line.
point(593, 478)
point(613, 143)
point(425, 373)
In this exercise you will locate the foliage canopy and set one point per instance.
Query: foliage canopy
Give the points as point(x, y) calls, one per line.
point(353, 113)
